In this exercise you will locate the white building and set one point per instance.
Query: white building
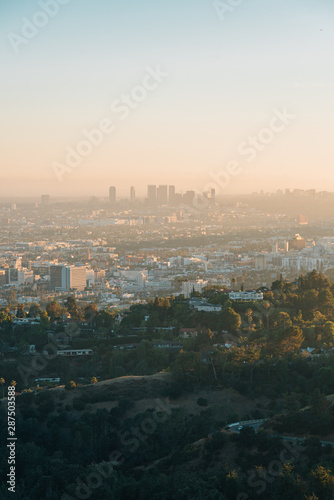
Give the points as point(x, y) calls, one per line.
point(260, 263)
point(65, 278)
point(25, 276)
point(248, 296)
point(193, 286)
point(203, 305)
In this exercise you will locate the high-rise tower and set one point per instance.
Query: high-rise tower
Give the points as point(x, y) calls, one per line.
point(112, 195)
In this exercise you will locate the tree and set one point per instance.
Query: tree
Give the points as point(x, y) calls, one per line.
point(93, 380)
point(203, 339)
point(90, 313)
point(323, 481)
point(319, 403)
point(20, 312)
point(249, 319)
point(292, 402)
point(34, 311)
point(186, 364)
point(277, 285)
point(328, 332)
point(70, 385)
point(105, 319)
point(290, 342)
point(283, 320)
point(44, 320)
point(246, 354)
point(55, 311)
point(11, 296)
point(315, 281)
point(2, 382)
point(72, 307)
point(309, 303)
point(326, 302)
point(231, 320)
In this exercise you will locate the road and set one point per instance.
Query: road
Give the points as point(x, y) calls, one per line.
point(256, 424)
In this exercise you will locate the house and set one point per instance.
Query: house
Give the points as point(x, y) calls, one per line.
point(25, 321)
point(73, 352)
point(166, 344)
point(203, 305)
point(186, 333)
point(248, 296)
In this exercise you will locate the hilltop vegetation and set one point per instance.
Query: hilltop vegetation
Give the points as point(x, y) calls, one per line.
point(162, 436)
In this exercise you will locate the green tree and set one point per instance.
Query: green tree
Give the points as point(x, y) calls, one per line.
point(328, 332)
point(290, 342)
point(34, 311)
point(2, 382)
point(20, 312)
point(90, 313)
point(326, 302)
point(230, 319)
point(323, 481)
point(283, 320)
point(72, 307)
point(55, 311)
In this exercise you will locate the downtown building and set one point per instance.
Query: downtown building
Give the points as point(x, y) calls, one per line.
point(66, 278)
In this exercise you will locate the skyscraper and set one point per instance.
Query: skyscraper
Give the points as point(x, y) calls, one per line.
point(132, 195)
point(65, 278)
point(152, 195)
point(171, 195)
point(162, 196)
point(188, 198)
point(45, 199)
point(57, 277)
point(112, 195)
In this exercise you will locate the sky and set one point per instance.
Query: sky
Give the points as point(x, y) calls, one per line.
point(236, 95)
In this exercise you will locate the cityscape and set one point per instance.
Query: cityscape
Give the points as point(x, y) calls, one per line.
point(166, 250)
point(119, 252)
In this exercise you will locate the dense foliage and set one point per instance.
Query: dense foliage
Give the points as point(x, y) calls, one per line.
point(80, 443)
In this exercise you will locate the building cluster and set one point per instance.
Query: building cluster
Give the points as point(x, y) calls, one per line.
point(164, 195)
point(116, 255)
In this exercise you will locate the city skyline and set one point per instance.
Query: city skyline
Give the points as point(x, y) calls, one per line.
point(188, 90)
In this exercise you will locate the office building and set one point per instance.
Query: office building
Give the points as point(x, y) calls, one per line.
point(193, 286)
point(260, 263)
point(45, 199)
point(132, 195)
point(65, 278)
point(162, 195)
point(3, 280)
point(152, 195)
point(57, 277)
point(171, 195)
point(112, 195)
point(12, 276)
point(188, 198)
point(297, 243)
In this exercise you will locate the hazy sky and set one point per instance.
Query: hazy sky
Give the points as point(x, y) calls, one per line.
point(229, 76)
